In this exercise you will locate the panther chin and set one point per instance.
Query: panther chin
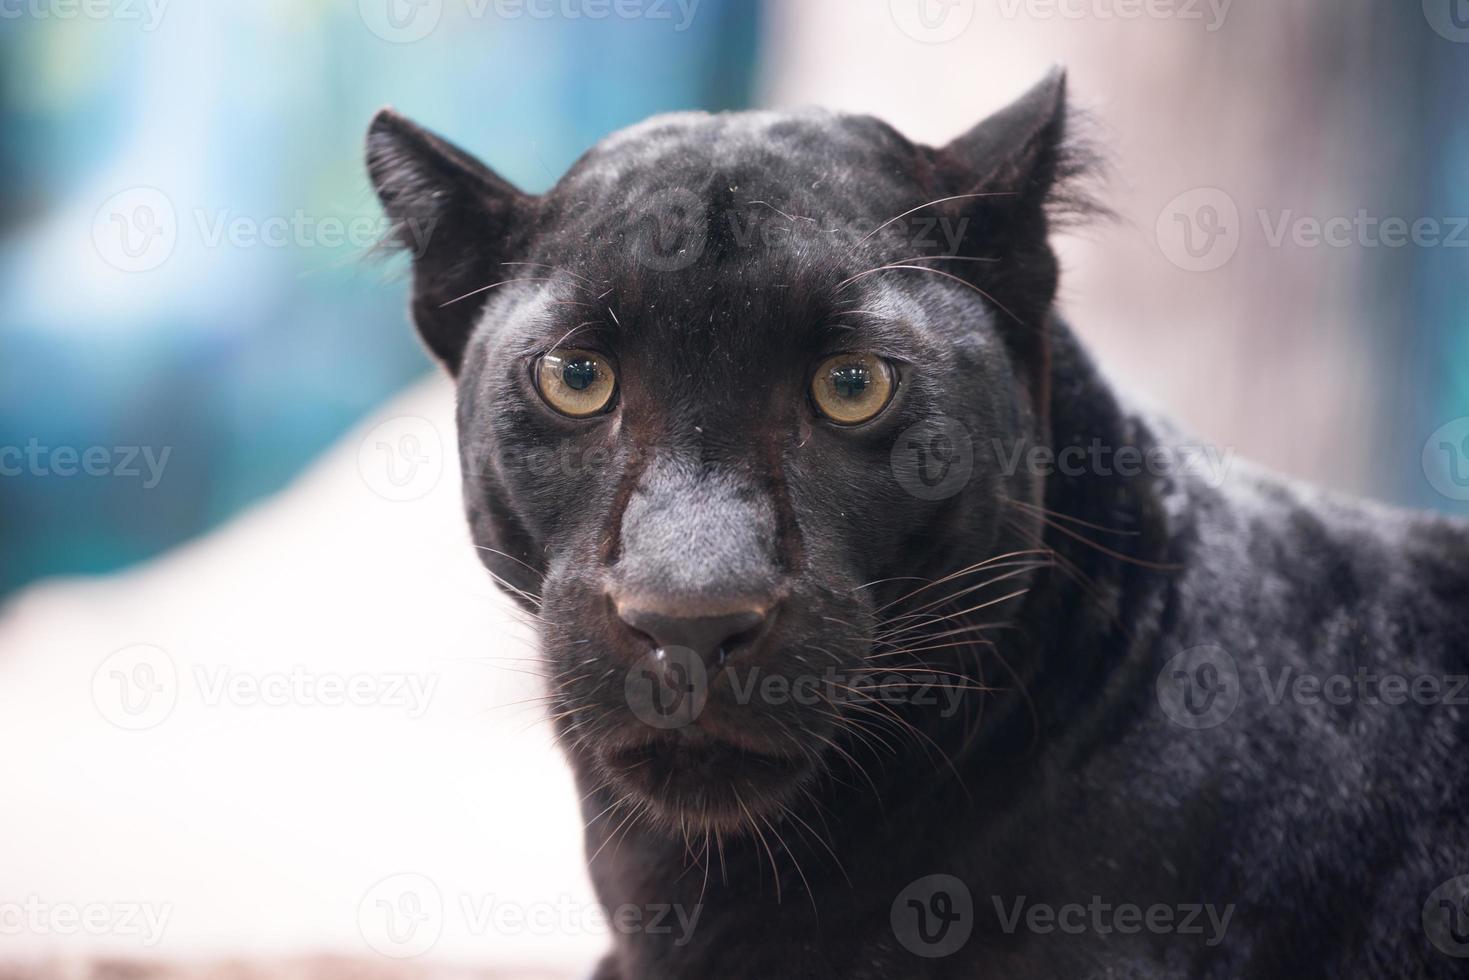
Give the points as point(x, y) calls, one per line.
point(691, 778)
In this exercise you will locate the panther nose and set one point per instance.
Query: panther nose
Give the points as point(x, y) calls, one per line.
point(712, 638)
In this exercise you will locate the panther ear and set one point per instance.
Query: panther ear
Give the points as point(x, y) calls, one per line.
point(457, 218)
point(1018, 153)
point(1010, 176)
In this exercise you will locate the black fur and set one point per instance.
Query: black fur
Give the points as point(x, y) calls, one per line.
point(715, 260)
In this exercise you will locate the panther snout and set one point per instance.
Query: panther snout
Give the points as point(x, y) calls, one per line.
point(713, 637)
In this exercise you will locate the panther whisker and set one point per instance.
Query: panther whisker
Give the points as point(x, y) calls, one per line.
point(503, 282)
point(937, 272)
point(774, 868)
point(961, 572)
point(942, 200)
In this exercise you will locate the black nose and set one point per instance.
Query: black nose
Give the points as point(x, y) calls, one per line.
point(712, 638)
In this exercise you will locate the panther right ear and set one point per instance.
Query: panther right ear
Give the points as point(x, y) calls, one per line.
point(457, 218)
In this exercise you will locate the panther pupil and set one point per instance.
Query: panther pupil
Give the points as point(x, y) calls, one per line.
point(850, 381)
point(579, 375)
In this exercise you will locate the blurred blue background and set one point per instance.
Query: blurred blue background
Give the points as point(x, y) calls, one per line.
point(248, 340)
point(185, 221)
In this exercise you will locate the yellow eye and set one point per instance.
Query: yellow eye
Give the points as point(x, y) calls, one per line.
point(851, 388)
point(577, 383)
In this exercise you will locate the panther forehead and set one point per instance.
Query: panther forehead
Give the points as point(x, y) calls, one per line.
point(814, 156)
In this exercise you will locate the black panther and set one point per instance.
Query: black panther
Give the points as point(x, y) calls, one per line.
point(881, 629)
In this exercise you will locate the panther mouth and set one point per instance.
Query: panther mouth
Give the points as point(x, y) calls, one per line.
point(700, 778)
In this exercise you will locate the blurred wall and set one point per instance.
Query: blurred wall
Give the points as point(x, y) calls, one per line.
point(189, 316)
point(1227, 121)
point(184, 216)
